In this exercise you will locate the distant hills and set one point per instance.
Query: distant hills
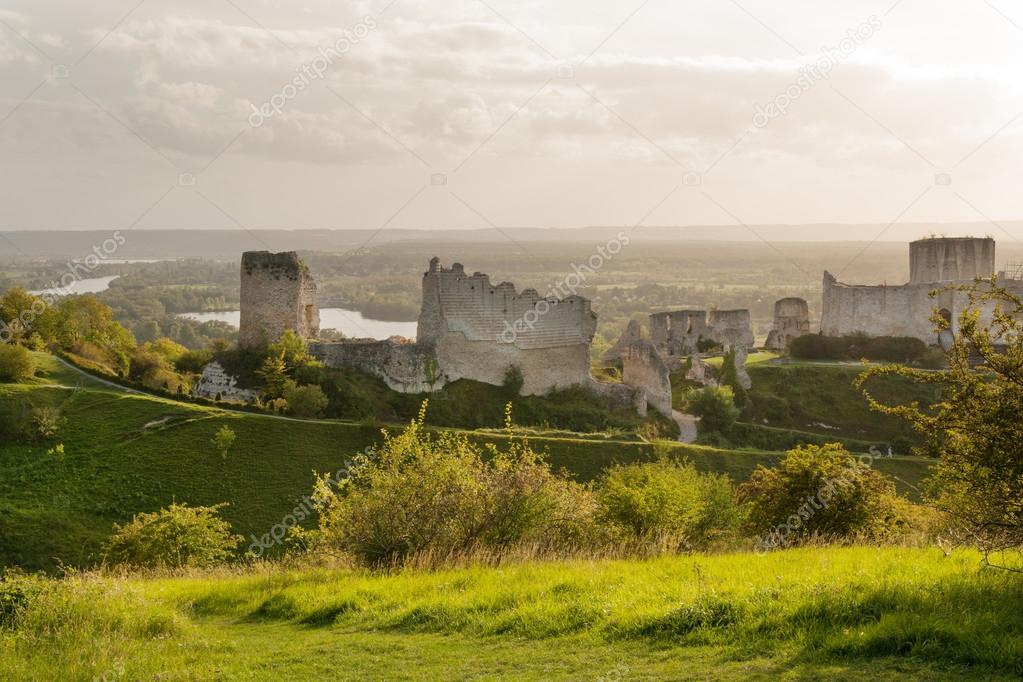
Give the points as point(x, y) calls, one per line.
point(228, 244)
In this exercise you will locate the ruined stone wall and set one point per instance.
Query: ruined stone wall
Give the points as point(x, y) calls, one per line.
point(404, 367)
point(894, 311)
point(643, 368)
point(478, 330)
point(791, 320)
point(885, 310)
point(680, 332)
point(951, 259)
point(277, 294)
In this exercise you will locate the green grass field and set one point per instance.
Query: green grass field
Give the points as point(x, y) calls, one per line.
point(813, 613)
point(126, 453)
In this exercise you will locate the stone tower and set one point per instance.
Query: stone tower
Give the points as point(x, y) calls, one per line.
point(277, 294)
point(950, 259)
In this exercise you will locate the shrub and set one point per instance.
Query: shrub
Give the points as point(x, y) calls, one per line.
point(715, 407)
point(422, 492)
point(667, 498)
point(821, 491)
point(16, 591)
point(513, 380)
point(16, 364)
point(857, 347)
point(305, 401)
point(46, 422)
point(192, 362)
point(173, 537)
point(974, 430)
point(222, 440)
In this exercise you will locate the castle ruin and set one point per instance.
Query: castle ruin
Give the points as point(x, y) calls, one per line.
point(277, 293)
point(791, 320)
point(905, 310)
point(468, 328)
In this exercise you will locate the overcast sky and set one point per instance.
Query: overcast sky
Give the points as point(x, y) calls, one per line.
point(472, 113)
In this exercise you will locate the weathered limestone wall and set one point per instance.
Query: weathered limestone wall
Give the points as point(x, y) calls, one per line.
point(633, 332)
point(791, 320)
point(643, 368)
point(906, 310)
point(277, 294)
point(680, 332)
point(404, 367)
point(885, 310)
point(478, 330)
point(950, 259)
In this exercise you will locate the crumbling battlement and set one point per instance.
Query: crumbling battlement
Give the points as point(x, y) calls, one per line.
point(478, 330)
point(683, 332)
point(277, 294)
point(469, 304)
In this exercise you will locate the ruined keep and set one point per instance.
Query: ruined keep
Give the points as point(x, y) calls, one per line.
point(791, 320)
point(277, 293)
point(689, 332)
point(477, 330)
point(905, 310)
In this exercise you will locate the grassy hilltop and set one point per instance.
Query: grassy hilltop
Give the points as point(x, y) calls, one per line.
point(812, 613)
point(125, 453)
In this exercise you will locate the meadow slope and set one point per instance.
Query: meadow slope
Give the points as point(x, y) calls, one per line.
point(125, 453)
point(852, 613)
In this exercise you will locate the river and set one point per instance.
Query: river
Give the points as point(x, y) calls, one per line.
point(351, 323)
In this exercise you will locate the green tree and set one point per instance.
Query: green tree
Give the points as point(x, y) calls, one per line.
point(274, 374)
point(16, 364)
point(820, 490)
point(975, 429)
point(715, 407)
point(222, 440)
point(305, 401)
point(174, 537)
point(667, 498)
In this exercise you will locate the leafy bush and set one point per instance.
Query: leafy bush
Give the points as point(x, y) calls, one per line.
point(513, 380)
point(16, 591)
point(667, 498)
point(193, 361)
point(715, 407)
point(305, 401)
point(222, 440)
point(16, 364)
point(974, 430)
point(859, 346)
point(46, 422)
point(821, 491)
point(422, 492)
point(173, 537)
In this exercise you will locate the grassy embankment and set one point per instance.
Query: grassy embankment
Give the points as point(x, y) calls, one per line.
point(812, 613)
point(127, 453)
